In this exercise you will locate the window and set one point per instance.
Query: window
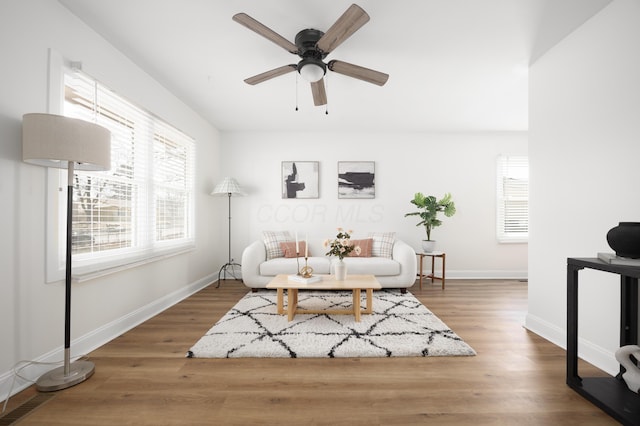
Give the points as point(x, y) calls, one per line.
point(513, 199)
point(144, 206)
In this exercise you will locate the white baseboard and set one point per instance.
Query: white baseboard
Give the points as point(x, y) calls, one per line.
point(82, 345)
point(485, 275)
point(546, 330)
point(593, 354)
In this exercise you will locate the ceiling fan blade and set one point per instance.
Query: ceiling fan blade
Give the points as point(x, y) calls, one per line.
point(264, 31)
point(319, 93)
point(350, 22)
point(356, 71)
point(268, 75)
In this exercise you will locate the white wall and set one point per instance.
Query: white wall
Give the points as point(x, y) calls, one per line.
point(584, 149)
point(463, 164)
point(31, 312)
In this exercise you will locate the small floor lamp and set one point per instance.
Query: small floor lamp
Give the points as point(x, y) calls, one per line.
point(228, 187)
point(65, 143)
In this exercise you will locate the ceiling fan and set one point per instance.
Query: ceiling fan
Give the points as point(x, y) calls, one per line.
point(313, 46)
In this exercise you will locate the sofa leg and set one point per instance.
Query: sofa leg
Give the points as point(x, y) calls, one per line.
point(254, 290)
point(403, 291)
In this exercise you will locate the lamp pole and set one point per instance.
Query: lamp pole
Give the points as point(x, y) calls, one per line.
point(227, 187)
point(229, 251)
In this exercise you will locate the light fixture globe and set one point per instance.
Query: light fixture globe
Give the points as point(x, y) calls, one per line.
point(311, 69)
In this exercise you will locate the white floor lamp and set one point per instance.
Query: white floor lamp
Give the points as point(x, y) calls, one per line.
point(65, 143)
point(228, 187)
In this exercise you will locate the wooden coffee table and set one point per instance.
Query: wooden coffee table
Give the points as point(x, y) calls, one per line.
point(355, 283)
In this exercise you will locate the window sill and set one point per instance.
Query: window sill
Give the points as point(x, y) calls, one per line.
point(513, 240)
point(88, 273)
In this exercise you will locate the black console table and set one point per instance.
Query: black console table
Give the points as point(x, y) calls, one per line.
point(609, 393)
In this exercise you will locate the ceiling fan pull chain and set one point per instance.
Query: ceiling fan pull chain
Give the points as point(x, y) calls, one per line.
point(326, 88)
point(296, 91)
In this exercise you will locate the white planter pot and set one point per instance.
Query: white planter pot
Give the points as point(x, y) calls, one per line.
point(428, 246)
point(340, 270)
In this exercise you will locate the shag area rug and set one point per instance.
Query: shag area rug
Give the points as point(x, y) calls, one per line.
point(399, 326)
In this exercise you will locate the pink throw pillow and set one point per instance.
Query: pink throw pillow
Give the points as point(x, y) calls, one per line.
point(366, 247)
point(289, 248)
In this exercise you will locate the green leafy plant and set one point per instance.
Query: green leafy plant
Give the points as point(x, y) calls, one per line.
point(429, 207)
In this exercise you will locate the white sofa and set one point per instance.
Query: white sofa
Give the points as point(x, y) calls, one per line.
point(399, 271)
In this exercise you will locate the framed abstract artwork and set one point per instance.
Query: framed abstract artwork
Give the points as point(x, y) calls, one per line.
point(356, 179)
point(300, 179)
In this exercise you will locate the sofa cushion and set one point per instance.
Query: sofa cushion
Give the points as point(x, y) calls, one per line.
point(272, 240)
point(283, 265)
point(289, 248)
point(382, 244)
point(378, 266)
point(366, 247)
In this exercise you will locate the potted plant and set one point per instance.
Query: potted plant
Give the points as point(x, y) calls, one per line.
point(429, 207)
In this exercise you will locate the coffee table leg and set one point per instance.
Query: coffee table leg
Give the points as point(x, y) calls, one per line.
point(369, 301)
point(356, 303)
point(280, 301)
point(292, 299)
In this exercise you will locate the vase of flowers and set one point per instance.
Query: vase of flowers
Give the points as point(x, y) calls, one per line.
point(340, 270)
point(340, 247)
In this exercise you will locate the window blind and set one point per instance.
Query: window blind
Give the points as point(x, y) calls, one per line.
point(512, 199)
point(144, 205)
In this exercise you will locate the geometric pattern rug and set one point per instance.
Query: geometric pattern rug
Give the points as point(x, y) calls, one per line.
point(399, 326)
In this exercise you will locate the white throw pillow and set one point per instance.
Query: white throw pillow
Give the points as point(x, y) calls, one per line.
point(382, 244)
point(272, 240)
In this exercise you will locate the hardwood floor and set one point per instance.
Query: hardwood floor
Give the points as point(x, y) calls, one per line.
point(143, 377)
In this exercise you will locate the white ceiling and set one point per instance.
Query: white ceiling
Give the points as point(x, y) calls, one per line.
point(454, 65)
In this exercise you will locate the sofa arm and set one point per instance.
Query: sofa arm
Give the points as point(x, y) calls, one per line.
point(252, 257)
point(404, 254)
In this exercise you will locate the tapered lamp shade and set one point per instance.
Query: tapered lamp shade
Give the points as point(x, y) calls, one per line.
point(53, 141)
point(227, 186)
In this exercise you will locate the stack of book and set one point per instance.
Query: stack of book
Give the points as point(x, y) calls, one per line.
point(613, 259)
point(301, 279)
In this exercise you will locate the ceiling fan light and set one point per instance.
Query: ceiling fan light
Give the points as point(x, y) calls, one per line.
point(311, 70)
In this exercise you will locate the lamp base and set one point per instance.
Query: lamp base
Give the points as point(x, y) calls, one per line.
point(224, 269)
point(55, 379)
